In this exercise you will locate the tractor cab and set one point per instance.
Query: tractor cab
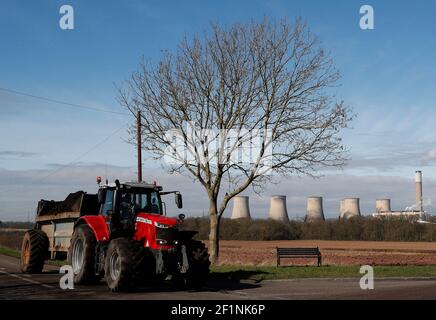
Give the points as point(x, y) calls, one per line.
point(129, 199)
point(122, 203)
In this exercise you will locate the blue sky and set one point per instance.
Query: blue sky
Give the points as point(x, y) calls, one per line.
point(387, 77)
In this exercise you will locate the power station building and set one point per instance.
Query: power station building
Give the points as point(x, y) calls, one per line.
point(383, 206)
point(349, 207)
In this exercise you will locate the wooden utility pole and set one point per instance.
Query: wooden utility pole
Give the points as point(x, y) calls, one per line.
point(139, 145)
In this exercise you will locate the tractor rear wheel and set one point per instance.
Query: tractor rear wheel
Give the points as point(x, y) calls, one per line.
point(198, 273)
point(125, 264)
point(34, 251)
point(82, 255)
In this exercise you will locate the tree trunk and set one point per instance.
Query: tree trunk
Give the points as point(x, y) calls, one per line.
point(214, 232)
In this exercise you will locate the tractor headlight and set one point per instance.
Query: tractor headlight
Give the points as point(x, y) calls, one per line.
point(161, 225)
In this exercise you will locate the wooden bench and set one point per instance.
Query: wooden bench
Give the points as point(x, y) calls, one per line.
point(298, 253)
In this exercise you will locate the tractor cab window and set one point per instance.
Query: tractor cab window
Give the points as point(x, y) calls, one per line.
point(154, 203)
point(132, 202)
point(108, 203)
point(127, 205)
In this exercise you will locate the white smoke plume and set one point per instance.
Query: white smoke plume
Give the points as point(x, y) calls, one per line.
point(426, 202)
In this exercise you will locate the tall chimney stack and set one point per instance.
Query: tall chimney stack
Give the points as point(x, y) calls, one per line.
point(418, 188)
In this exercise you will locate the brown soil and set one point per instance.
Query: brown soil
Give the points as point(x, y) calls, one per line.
point(333, 252)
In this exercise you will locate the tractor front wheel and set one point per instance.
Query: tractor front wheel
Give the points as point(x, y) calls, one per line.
point(124, 264)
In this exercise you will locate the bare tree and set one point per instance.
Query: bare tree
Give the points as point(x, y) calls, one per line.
point(238, 106)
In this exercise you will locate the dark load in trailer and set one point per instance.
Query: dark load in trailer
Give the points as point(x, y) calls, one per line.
point(77, 202)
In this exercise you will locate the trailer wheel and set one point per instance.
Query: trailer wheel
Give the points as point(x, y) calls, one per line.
point(125, 264)
point(81, 255)
point(198, 273)
point(34, 251)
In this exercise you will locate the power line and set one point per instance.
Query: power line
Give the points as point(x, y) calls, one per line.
point(62, 102)
point(71, 163)
point(74, 161)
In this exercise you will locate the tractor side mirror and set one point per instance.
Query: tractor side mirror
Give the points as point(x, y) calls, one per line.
point(101, 196)
point(179, 201)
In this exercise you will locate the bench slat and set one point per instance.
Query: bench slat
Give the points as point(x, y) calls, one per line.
point(290, 250)
point(297, 250)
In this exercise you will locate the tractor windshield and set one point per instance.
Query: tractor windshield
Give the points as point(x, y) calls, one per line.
point(140, 200)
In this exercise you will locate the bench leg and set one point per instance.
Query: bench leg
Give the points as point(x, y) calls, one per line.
point(319, 261)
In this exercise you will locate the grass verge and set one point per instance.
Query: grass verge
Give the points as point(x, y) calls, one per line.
point(301, 272)
point(16, 254)
point(10, 252)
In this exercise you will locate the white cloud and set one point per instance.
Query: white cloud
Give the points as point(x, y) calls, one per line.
point(431, 155)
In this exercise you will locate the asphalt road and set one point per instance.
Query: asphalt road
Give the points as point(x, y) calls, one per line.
point(15, 285)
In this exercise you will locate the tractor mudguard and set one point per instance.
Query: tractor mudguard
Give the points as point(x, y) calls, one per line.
point(98, 226)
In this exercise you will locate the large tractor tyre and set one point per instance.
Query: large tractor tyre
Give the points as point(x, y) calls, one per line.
point(125, 264)
point(198, 272)
point(82, 255)
point(34, 251)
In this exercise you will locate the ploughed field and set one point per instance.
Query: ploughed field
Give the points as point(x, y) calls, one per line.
point(263, 253)
point(333, 252)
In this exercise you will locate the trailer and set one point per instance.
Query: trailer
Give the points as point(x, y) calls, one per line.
point(57, 218)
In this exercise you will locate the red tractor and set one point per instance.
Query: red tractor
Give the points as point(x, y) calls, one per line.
point(129, 240)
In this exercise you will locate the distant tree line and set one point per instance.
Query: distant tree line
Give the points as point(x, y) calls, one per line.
point(363, 229)
point(16, 225)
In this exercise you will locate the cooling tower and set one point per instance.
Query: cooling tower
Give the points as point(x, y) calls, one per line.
point(383, 205)
point(341, 208)
point(418, 188)
point(349, 208)
point(314, 209)
point(277, 209)
point(241, 208)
